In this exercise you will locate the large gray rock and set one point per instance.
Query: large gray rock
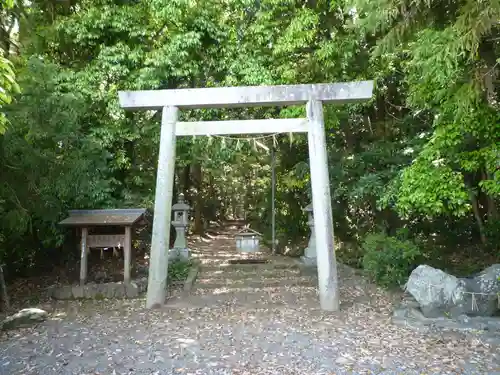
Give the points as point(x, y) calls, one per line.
point(24, 318)
point(485, 286)
point(440, 294)
point(436, 292)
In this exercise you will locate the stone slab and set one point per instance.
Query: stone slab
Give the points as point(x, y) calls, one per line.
point(487, 328)
point(100, 291)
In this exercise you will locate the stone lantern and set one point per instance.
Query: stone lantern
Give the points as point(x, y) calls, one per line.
point(180, 222)
point(309, 256)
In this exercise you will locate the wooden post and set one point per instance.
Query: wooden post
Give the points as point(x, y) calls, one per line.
point(158, 262)
point(323, 221)
point(273, 197)
point(3, 286)
point(127, 252)
point(83, 256)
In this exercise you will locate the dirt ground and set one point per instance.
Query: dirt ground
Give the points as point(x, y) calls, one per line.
point(240, 319)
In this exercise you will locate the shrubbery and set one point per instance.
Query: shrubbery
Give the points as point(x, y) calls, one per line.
point(389, 260)
point(178, 270)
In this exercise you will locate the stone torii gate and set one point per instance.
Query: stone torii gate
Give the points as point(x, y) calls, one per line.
point(170, 101)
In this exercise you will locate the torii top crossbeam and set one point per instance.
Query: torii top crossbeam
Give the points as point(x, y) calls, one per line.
point(247, 96)
point(170, 101)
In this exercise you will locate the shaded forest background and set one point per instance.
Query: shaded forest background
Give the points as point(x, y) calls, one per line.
point(415, 172)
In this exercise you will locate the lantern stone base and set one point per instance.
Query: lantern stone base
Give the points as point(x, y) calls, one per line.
point(309, 261)
point(307, 266)
point(178, 254)
point(310, 251)
point(310, 258)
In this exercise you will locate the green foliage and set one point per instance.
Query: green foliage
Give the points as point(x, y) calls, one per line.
point(49, 163)
point(8, 87)
point(493, 234)
point(446, 55)
point(389, 260)
point(423, 154)
point(9, 14)
point(178, 270)
point(432, 190)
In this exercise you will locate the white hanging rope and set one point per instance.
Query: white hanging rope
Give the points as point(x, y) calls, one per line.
point(255, 141)
point(474, 305)
point(246, 138)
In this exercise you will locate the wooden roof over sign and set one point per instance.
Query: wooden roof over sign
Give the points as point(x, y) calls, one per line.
point(81, 218)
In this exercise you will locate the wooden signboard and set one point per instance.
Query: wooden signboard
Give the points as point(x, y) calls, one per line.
point(87, 219)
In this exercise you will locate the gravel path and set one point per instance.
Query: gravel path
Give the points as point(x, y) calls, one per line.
point(227, 330)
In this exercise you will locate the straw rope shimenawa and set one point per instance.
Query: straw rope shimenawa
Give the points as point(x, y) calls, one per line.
point(252, 140)
point(474, 305)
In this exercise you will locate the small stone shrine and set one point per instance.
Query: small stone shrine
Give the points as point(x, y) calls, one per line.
point(309, 258)
point(248, 241)
point(180, 222)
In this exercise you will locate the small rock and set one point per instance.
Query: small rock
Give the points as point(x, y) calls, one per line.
point(343, 361)
point(25, 317)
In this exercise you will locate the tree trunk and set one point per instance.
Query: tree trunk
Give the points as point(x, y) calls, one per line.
point(198, 199)
point(490, 201)
point(186, 182)
point(212, 205)
point(247, 207)
point(3, 288)
point(477, 215)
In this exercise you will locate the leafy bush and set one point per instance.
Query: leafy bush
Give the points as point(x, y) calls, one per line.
point(389, 260)
point(178, 270)
point(350, 254)
point(492, 233)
